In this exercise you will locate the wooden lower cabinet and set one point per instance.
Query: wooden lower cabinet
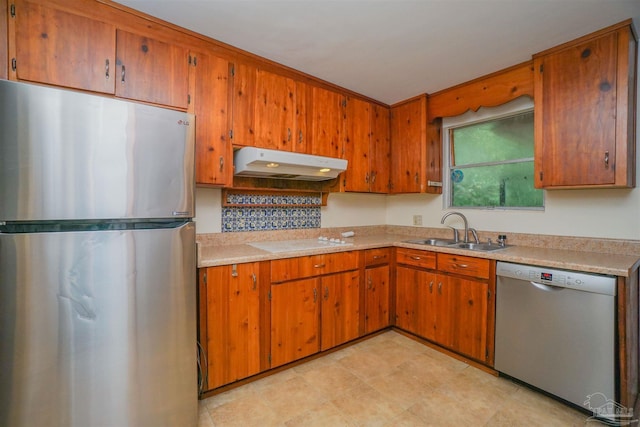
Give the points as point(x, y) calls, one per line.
point(340, 310)
point(311, 315)
point(408, 281)
point(230, 322)
point(315, 304)
point(469, 302)
point(376, 302)
point(295, 319)
point(452, 310)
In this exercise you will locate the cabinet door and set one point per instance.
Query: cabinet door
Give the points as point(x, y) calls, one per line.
point(295, 317)
point(376, 298)
point(431, 297)
point(469, 316)
point(357, 177)
point(214, 163)
point(151, 70)
point(63, 49)
point(232, 322)
point(408, 135)
point(583, 95)
point(275, 111)
point(340, 308)
point(327, 118)
point(244, 96)
point(379, 150)
point(407, 301)
point(4, 42)
point(440, 303)
point(301, 136)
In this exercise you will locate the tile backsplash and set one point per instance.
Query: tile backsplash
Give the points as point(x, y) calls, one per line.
point(270, 212)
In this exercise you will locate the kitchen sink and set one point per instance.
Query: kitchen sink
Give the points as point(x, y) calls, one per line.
point(481, 247)
point(432, 242)
point(484, 247)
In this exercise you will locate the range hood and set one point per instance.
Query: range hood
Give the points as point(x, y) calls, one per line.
point(263, 163)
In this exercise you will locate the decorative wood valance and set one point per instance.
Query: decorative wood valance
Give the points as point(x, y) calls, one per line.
point(488, 91)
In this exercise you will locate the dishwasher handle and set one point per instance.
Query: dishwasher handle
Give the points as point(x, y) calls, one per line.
point(546, 288)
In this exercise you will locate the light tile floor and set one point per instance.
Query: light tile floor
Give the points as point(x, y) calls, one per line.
point(388, 380)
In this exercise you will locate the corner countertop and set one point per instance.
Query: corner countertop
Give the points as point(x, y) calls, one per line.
point(614, 264)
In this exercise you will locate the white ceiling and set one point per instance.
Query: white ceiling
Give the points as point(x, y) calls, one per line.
point(391, 50)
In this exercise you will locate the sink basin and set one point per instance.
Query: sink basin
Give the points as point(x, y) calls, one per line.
point(431, 242)
point(481, 247)
point(484, 247)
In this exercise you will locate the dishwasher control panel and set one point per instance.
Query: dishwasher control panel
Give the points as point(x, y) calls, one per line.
point(558, 278)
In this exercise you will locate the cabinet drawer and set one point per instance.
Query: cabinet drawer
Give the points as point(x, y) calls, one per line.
point(377, 256)
point(312, 265)
point(468, 266)
point(418, 258)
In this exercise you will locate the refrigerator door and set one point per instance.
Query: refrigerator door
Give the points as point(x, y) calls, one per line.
point(98, 328)
point(69, 155)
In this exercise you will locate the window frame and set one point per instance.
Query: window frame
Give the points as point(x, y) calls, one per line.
point(520, 105)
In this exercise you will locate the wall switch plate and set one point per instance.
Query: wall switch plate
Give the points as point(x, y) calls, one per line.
point(417, 220)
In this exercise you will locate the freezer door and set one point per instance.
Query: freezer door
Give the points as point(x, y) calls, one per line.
point(98, 329)
point(69, 155)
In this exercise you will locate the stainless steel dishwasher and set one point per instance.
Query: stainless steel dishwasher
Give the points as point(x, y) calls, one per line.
point(555, 330)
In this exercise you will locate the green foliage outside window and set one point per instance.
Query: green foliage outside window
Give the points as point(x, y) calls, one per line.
point(491, 164)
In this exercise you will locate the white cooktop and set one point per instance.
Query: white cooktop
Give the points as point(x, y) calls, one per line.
point(298, 245)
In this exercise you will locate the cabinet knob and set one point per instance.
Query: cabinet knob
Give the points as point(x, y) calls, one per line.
point(221, 163)
point(122, 75)
point(106, 69)
point(606, 159)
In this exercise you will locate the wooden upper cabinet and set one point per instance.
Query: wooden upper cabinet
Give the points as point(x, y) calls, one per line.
point(151, 70)
point(408, 139)
point(210, 104)
point(63, 49)
point(327, 120)
point(357, 129)
point(4, 41)
point(585, 111)
point(379, 149)
point(269, 110)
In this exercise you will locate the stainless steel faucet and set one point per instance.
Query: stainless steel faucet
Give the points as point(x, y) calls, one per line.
point(466, 225)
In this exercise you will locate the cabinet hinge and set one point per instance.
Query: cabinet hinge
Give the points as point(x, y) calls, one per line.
point(269, 358)
point(269, 295)
point(193, 60)
point(344, 103)
point(204, 278)
point(489, 295)
point(14, 64)
point(188, 98)
point(486, 354)
point(233, 70)
point(231, 134)
point(541, 175)
point(13, 11)
point(541, 68)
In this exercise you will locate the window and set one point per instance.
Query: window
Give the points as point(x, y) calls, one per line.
point(490, 159)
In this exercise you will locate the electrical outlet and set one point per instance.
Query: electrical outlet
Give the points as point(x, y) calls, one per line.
point(417, 220)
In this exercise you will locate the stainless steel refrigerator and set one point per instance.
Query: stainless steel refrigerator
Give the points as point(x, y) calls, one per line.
point(97, 261)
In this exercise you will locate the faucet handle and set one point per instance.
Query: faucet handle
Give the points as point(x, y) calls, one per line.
point(456, 237)
point(475, 234)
